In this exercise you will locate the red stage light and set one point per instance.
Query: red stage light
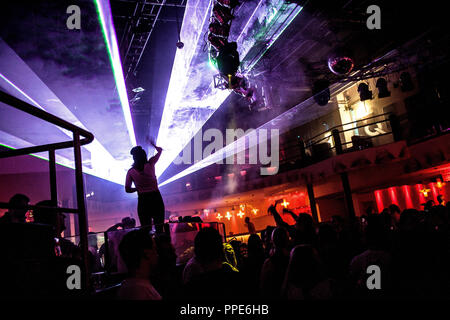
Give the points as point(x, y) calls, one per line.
point(217, 42)
point(409, 203)
point(222, 14)
point(218, 29)
point(379, 199)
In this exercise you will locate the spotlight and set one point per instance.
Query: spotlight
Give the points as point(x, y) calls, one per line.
point(218, 29)
point(222, 14)
point(217, 42)
point(364, 92)
point(406, 82)
point(321, 92)
point(138, 89)
point(383, 91)
point(228, 59)
point(180, 45)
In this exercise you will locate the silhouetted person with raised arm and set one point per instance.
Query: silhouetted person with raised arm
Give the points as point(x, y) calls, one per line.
point(16, 215)
point(142, 174)
point(302, 232)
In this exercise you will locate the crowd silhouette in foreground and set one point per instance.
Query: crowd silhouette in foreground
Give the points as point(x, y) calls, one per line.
point(304, 261)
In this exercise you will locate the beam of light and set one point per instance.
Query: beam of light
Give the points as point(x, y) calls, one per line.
point(249, 20)
point(302, 113)
point(185, 111)
point(379, 200)
point(174, 139)
point(103, 164)
point(292, 15)
point(104, 14)
point(59, 160)
point(408, 199)
point(393, 195)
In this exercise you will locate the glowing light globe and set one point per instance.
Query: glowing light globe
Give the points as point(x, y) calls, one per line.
point(340, 65)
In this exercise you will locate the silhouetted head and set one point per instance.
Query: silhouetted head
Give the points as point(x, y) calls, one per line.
point(139, 157)
point(50, 216)
point(440, 199)
point(409, 219)
point(247, 219)
point(428, 205)
point(304, 269)
point(138, 250)
point(393, 209)
point(280, 238)
point(305, 222)
point(208, 246)
point(255, 245)
point(128, 223)
point(18, 200)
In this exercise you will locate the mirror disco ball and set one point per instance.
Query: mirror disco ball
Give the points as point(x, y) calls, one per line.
point(340, 65)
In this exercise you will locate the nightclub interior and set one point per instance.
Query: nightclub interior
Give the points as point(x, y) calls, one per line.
point(197, 150)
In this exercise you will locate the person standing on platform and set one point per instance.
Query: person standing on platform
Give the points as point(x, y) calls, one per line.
point(142, 174)
point(250, 226)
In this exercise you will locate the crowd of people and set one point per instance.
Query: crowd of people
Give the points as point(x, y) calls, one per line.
point(304, 261)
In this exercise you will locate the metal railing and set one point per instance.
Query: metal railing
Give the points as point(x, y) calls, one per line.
point(76, 143)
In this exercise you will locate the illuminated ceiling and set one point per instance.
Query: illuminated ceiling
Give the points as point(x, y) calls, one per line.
point(78, 75)
point(191, 97)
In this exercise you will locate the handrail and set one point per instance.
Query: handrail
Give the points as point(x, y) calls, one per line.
point(76, 143)
point(43, 115)
point(345, 124)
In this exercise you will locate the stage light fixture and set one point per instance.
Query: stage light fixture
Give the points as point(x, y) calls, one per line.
point(229, 3)
point(228, 59)
point(364, 92)
point(217, 42)
point(383, 91)
point(218, 29)
point(406, 82)
point(138, 89)
point(222, 14)
point(321, 92)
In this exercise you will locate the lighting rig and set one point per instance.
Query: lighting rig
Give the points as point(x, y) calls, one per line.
point(223, 55)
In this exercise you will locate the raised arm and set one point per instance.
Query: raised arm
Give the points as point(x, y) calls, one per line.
point(278, 220)
point(155, 158)
point(293, 215)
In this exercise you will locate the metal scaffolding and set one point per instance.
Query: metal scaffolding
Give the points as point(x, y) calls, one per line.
point(138, 19)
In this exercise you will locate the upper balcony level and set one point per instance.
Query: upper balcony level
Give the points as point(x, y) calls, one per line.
point(354, 129)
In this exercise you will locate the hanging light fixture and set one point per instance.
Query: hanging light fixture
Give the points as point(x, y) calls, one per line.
point(364, 92)
point(383, 91)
